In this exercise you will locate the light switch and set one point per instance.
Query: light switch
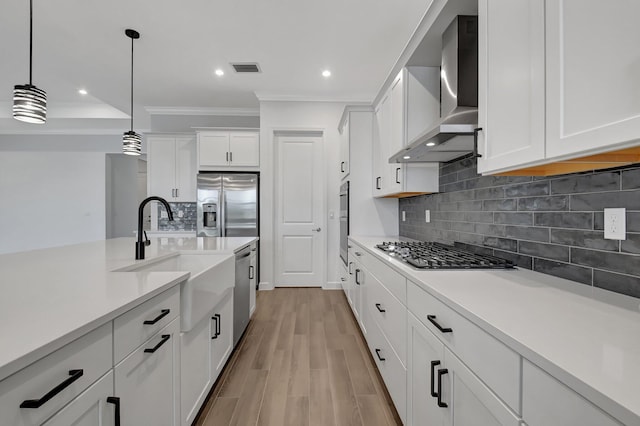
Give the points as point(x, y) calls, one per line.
point(404, 216)
point(427, 216)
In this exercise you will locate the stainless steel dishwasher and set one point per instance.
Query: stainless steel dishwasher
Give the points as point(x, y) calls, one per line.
point(241, 293)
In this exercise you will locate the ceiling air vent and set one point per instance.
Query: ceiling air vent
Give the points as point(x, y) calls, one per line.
point(246, 67)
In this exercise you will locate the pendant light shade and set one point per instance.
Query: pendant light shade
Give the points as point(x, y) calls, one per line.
point(29, 102)
point(131, 141)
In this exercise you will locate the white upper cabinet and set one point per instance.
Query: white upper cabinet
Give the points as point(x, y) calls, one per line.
point(228, 149)
point(345, 150)
point(171, 166)
point(592, 75)
point(557, 82)
point(511, 83)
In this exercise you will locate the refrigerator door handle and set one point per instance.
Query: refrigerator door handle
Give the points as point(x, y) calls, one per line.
point(223, 209)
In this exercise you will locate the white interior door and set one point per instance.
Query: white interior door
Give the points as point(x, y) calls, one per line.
point(300, 234)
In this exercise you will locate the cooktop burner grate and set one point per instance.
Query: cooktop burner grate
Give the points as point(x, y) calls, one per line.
point(428, 255)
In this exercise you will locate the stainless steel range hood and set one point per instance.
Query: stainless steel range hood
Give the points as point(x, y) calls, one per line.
point(452, 137)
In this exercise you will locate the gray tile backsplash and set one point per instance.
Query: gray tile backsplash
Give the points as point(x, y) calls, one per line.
point(553, 225)
point(186, 223)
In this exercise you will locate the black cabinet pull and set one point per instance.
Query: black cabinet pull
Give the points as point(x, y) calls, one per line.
point(379, 308)
point(115, 401)
point(434, 364)
point(227, 157)
point(357, 276)
point(378, 183)
point(251, 273)
point(218, 324)
point(397, 178)
point(475, 142)
point(441, 372)
point(432, 320)
point(342, 167)
point(165, 337)
point(163, 313)
point(37, 403)
point(379, 357)
point(231, 157)
point(350, 271)
point(215, 330)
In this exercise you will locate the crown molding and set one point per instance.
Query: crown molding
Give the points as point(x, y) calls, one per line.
point(274, 97)
point(227, 112)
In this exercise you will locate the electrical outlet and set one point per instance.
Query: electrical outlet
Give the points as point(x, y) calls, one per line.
point(427, 216)
point(615, 224)
point(404, 216)
point(180, 213)
point(163, 215)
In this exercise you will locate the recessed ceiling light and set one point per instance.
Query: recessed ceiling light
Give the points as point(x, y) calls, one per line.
point(431, 143)
point(326, 73)
point(82, 91)
point(219, 72)
point(406, 157)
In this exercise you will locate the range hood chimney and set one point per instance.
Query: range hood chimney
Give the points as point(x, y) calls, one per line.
point(453, 136)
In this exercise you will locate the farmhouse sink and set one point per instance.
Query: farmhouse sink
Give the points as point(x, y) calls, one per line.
point(212, 277)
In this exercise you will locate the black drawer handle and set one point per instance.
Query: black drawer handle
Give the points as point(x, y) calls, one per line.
point(37, 403)
point(379, 357)
point(358, 276)
point(434, 364)
point(215, 330)
point(432, 320)
point(397, 178)
point(115, 401)
point(163, 313)
point(441, 373)
point(350, 271)
point(165, 337)
point(379, 308)
point(218, 323)
point(342, 167)
point(378, 183)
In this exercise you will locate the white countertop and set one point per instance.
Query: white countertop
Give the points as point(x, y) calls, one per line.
point(584, 336)
point(52, 296)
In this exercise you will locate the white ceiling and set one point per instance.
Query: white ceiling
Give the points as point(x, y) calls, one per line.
point(81, 44)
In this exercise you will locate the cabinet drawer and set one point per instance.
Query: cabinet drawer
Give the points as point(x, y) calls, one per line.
point(90, 354)
point(391, 369)
point(491, 360)
point(389, 314)
point(392, 280)
point(130, 330)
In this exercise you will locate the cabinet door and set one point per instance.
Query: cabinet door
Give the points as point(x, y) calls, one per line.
point(147, 382)
point(396, 140)
point(221, 335)
point(344, 149)
point(161, 167)
point(186, 169)
point(213, 149)
point(90, 408)
point(423, 350)
point(378, 164)
point(253, 282)
point(592, 75)
point(511, 83)
point(358, 280)
point(195, 369)
point(244, 149)
point(471, 402)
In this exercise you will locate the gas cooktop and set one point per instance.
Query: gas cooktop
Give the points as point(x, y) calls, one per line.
point(427, 255)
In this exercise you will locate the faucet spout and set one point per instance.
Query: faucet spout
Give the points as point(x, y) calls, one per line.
point(140, 244)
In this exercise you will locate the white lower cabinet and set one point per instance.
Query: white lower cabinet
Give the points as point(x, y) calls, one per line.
point(547, 402)
point(195, 369)
point(95, 406)
point(146, 380)
point(443, 391)
point(221, 334)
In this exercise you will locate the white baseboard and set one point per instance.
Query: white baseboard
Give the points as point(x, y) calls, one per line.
point(332, 285)
point(265, 286)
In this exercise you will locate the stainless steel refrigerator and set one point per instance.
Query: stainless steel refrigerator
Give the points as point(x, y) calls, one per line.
point(227, 205)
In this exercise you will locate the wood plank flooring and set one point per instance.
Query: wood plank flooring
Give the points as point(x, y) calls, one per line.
point(302, 361)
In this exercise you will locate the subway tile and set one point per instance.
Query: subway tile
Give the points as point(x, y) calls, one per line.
point(631, 244)
point(548, 251)
point(615, 262)
point(513, 218)
point(586, 239)
point(528, 233)
point(565, 220)
point(490, 229)
point(501, 243)
point(489, 193)
point(448, 206)
point(488, 181)
point(469, 206)
point(473, 248)
point(479, 217)
point(563, 270)
point(500, 205)
point(461, 196)
point(521, 261)
point(470, 238)
point(623, 284)
point(463, 226)
point(468, 173)
point(599, 201)
point(450, 178)
point(543, 203)
point(527, 189)
point(455, 186)
point(598, 182)
point(631, 179)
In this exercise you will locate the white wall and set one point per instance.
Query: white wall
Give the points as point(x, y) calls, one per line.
point(122, 195)
point(51, 199)
point(323, 116)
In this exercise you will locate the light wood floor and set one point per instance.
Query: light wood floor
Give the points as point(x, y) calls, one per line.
point(302, 361)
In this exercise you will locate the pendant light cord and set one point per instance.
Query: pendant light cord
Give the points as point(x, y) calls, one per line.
point(30, 40)
point(131, 83)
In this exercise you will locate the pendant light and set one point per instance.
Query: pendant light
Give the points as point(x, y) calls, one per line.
point(29, 102)
point(132, 141)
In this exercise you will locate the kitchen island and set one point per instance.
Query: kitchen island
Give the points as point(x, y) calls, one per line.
point(54, 298)
point(546, 351)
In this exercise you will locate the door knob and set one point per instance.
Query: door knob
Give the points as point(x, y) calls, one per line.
point(317, 230)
